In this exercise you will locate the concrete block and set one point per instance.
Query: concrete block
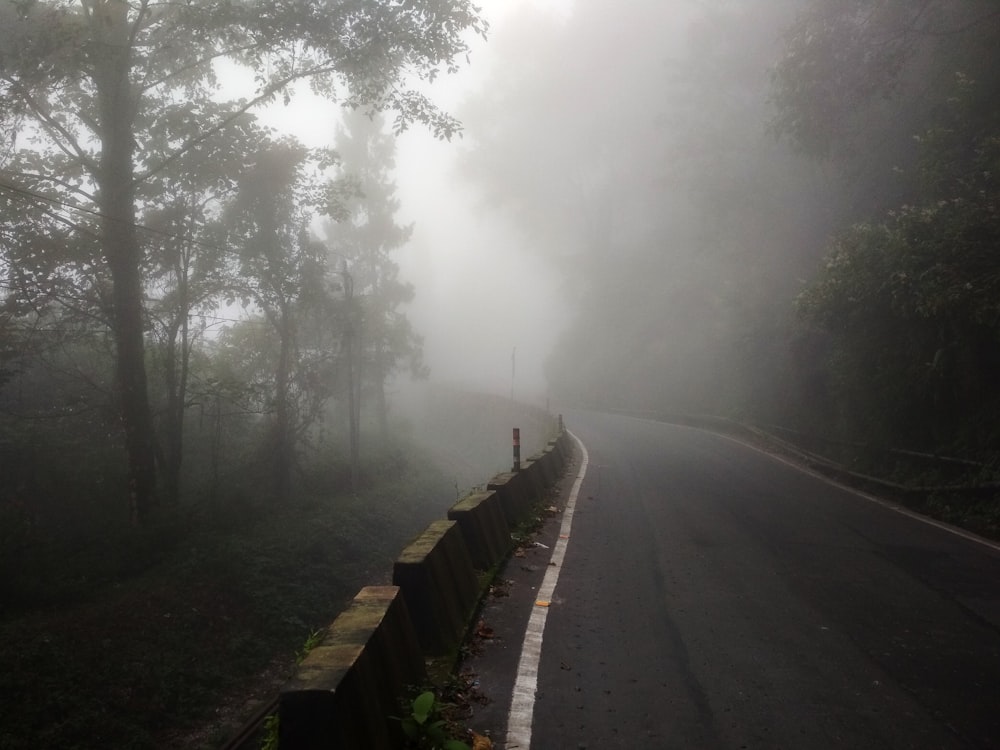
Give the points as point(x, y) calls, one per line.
point(564, 445)
point(555, 450)
point(550, 465)
point(347, 688)
point(484, 528)
point(439, 585)
point(534, 480)
point(396, 656)
point(511, 489)
point(554, 447)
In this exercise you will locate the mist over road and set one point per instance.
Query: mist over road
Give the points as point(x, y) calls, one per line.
point(715, 597)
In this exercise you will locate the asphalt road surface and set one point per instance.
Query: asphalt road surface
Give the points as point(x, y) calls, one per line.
point(712, 596)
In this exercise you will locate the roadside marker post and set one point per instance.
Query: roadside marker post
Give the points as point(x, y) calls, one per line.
point(517, 449)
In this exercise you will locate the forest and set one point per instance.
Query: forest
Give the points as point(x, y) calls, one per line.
point(199, 315)
point(784, 212)
point(780, 211)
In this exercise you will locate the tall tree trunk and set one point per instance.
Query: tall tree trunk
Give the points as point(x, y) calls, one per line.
point(353, 401)
point(378, 376)
point(352, 424)
point(215, 450)
point(178, 442)
point(282, 468)
point(170, 469)
point(176, 375)
point(356, 416)
point(121, 247)
point(353, 381)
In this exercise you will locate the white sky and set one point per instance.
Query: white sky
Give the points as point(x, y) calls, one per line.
point(478, 294)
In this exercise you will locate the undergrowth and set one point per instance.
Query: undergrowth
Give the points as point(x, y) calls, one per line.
point(100, 656)
point(113, 637)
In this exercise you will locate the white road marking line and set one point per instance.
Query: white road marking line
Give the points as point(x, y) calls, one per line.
point(522, 704)
point(902, 510)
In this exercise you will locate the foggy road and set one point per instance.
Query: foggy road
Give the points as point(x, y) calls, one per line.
point(712, 596)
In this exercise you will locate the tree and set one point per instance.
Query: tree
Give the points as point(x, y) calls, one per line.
point(367, 241)
point(910, 300)
point(99, 96)
point(285, 274)
point(189, 271)
point(858, 79)
point(901, 98)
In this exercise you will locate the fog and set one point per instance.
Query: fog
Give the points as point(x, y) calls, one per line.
point(621, 221)
point(482, 291)
point(782, 212)
point(573, 221)
point(483, 294)
point(646, 196)
point(574, 166)
point(680, 206)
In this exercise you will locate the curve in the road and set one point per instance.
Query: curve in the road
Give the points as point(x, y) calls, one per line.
point(714, 599)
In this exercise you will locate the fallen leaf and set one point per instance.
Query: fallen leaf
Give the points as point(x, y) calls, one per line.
point(479, 742)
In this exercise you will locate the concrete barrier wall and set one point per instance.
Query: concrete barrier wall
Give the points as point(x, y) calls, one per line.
point(484, 528)
point(512, 490)
point(439, 585)
point(348, 687)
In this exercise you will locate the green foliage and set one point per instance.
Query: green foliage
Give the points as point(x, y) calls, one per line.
point(903, 318)
point(840, 58)
point(271, 737)
point(426, 728)
point(122, 148)
point(913, 303)
point(366, 243)
point(857, 81)
point(315, 638)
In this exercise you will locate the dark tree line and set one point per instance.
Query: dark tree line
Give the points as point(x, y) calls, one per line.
point(903, 99)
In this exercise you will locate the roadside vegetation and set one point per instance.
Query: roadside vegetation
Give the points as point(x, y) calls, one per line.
point(140, 636)
point(173, 633)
